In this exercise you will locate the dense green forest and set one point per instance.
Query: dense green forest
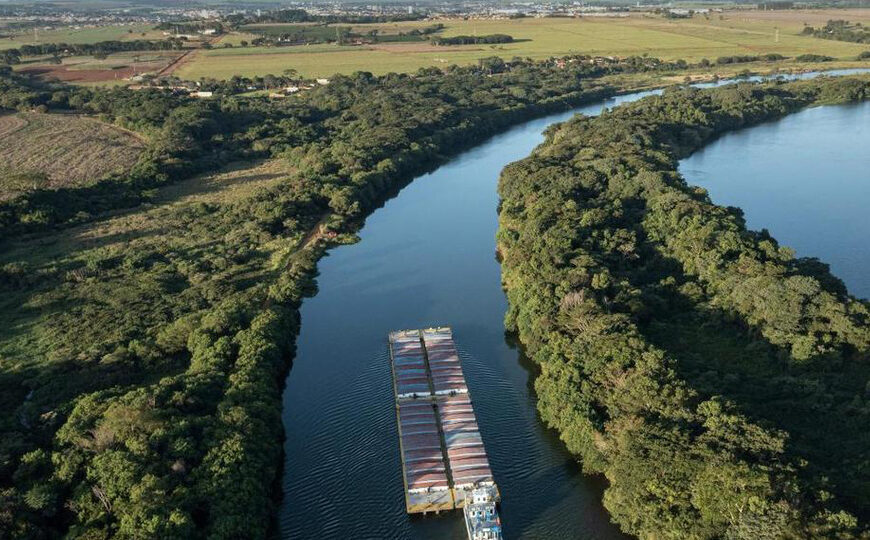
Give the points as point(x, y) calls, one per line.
point(145, 336)
point(718, 382)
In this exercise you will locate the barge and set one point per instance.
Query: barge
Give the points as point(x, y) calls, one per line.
point(444, 462)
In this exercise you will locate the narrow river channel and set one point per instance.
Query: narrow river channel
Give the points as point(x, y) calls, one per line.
point(426, 258)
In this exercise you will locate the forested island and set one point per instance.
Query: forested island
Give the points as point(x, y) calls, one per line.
point(718, 382)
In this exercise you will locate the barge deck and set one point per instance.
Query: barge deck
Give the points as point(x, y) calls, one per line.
point(443, 457)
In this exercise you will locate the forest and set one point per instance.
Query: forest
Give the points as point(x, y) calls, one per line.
point(144, 343)
point(719, 383)
point(282, 16)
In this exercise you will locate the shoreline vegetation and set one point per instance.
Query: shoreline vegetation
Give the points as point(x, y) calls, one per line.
point(147, 338)
point(675, 346)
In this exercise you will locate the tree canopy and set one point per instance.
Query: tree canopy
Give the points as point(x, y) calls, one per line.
point(689, 360)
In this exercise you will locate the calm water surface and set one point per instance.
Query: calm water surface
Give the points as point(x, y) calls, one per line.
point(806, 179)
point(425, 258)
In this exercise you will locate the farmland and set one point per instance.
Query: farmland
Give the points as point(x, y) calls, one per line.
point(43, 151)
point(730, 33)
point(740, 32)
point(79, 35)
point(114, 68)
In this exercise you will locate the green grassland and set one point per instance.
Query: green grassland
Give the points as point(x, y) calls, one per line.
point(81, 35)
point(236, 38)
point(121, 59)
point(731, 33)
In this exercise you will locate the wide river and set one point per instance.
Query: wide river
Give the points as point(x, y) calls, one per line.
point(428, 258)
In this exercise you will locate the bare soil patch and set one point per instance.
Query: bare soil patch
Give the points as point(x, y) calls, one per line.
point(63, 73)
point(87, 70)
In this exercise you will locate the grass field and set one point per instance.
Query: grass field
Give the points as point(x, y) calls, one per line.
point(731, 33)
point(89, 70)
point(82, 35)
point(68, 150)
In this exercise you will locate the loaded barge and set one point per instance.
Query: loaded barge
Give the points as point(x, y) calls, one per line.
point(444, 462)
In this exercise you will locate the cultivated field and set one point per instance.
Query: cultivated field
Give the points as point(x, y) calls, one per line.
point(56, 150)
point(711, 36)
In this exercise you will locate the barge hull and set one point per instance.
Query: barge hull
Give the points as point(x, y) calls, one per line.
point(440, 445)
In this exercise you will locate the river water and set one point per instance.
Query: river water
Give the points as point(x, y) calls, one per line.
point(806, 179)
point(426, 258)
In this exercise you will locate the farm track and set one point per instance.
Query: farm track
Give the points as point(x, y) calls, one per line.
point(178, 62)
point(185, 58)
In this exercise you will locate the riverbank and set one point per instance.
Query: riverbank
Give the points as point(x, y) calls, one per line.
point(181, 318)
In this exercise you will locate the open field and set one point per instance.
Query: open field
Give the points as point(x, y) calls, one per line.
point(233, 182)
point(68, 150)
point(731, 33)
point(116, 67)
point(81, 35)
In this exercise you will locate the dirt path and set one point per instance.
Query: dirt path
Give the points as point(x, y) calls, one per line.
point(177, 63)
point(185, 58)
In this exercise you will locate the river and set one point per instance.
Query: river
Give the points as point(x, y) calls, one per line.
point(427, 257)
point(805, 178)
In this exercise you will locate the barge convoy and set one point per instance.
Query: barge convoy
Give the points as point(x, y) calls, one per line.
point(444, 462)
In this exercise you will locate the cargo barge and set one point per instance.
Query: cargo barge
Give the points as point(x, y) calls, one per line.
point(444, 462)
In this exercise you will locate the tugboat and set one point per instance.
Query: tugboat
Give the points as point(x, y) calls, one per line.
point(481, 517)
